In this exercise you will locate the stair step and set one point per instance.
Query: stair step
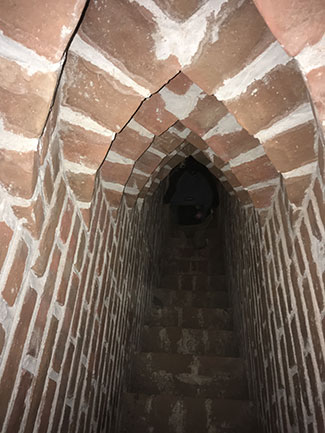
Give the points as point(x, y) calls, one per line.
point(190, 317)
point(212, 252)
point(189, 341)
point(190, 266)
point(172, 414)
point(189, 375)
point(189, 298)
point(195, 282)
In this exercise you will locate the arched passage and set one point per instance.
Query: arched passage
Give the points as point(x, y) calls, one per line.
point(88, 131)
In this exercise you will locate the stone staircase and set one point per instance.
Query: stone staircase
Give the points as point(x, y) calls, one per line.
point(189, 378)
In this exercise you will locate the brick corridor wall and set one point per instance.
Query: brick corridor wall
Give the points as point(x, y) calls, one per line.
point(276, 267)
point(72, 301)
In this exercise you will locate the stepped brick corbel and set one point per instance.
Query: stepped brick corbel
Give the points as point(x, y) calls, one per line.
point(302, 36)
point(94, 115)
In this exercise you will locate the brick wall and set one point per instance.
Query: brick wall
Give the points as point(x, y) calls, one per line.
point(276, 269)
point(72, 302)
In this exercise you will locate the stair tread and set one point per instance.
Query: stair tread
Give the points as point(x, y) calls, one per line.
point(189, 340)
point(189, 375)
point(195, 282)
point(189, 298)
point(166, 413)
point(190, 317)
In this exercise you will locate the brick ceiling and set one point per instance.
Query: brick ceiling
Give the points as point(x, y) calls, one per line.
point(146, 83)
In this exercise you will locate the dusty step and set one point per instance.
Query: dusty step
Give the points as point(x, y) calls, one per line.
point(188, 298)
point(194, 266)
point(213, 252)
point(189, 375)
point(194, 282)
point(172, 414)
point(190, 317)
point(189, 341)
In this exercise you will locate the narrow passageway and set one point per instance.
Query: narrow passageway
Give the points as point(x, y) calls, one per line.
point(99, 101)
point(188, 376)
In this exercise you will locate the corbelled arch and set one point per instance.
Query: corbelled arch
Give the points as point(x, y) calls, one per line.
point(253, 77)
point(265, 105)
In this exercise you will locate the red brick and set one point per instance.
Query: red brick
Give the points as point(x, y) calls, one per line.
point(86, 216)
point(82, 146)
point(320, 200)
point(5, 238)
point(244, 197)
point(47, 134)
point(238, 43)
point(69, 260)
point(24, 163)
point(113, 197)
point(55, 154)
point(75, 365)
point(315, 80)
point(116, 173)
point(104, 99)
point(300, 260)
point(33, 215)
point(11, 368)
point(293, 22)
point(62, 389)
point(16, 273)
point(205, 115)
point(79, 306)
point(262, 198)
point(66, 324)
point(77, 400)
point(229, 146)
point(19, 407)
point(91, 318)
point(94, 223)
point(47, 404)
point(25, 98)
point(35, 342)
point(196, 141)
point(314, 225)
point(168, 142)
point(313, 268)
point(293, 148)
point(81, 251)
point(104, 216)
point(297, 187)
point(279, 92)
point(259, 170)
point(48, 184)
point(148, 162)
point(66, 221)
point(2, 338)
point(48, 233)
point(318, 416)
point(121, 144)
point(38, 26)
point(39, 383)
point(153, 115)
point(138, 28)
point(82, 185)
point(180, 84)
point(66, 420)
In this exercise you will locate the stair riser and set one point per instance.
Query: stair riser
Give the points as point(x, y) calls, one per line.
point(189, 341)
point(166, 414)
point(177, 298)
point(200, 318)
point(194, 267)
point(189, 376)
point(194, 282)
point(184, 252)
